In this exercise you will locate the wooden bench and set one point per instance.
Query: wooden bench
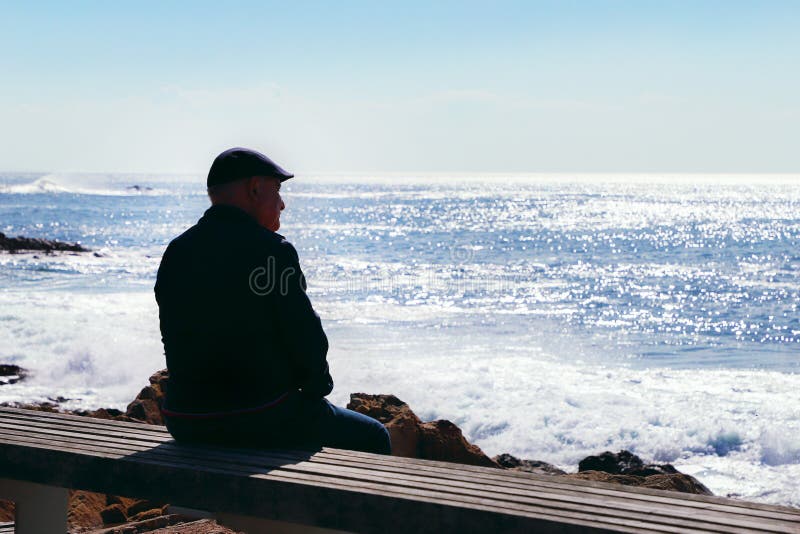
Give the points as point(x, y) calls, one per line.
point(42, 454)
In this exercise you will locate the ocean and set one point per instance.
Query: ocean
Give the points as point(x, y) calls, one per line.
point(549, 316)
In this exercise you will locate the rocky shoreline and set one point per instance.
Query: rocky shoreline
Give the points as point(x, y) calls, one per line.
point(48, 246)
point(439, 440)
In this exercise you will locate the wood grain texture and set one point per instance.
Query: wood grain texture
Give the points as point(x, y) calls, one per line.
point(350, 490)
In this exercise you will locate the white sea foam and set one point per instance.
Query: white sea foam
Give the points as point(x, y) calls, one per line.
point(95, 348)
point(551, 321)
point(85, 184)
point(523, 393)
point(736, 430)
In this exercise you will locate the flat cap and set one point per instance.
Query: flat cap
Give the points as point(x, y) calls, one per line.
point(237, 163)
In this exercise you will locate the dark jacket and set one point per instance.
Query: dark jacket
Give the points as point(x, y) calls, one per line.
point(237, 326)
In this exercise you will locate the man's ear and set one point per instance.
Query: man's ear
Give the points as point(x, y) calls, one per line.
point(253, 186)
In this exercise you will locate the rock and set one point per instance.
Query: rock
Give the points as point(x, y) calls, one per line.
point(11, 374)
point(601, 476)
point(139, 506)
point(435, 440)
point(106, 413)
point(125, 502)
point(84, 509)
point(676, 482)
point(202, 526)
point(20, 243)
point(672, 482)
point(168, 524)
point(6, 511)
point(623, 463)
point(384, 408)
point(152, 513)
point(113, 514)
point(443, 440)
point(508, 461)
point(626, 468)
point(405, 431)
point(146, 407)
point(608, 462)
point(39, 406)
point(139, 188)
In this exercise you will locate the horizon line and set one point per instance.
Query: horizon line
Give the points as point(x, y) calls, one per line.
point(427, 173)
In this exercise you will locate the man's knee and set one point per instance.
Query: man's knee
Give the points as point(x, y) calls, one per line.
point(348, 429)
point(383, 441)
point(373, 436)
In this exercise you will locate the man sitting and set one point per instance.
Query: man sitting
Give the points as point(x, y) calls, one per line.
point(245, 350)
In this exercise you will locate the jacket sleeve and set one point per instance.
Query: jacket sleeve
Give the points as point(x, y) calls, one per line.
point(300, 326)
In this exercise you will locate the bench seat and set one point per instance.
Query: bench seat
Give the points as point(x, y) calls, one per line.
point(342, 490)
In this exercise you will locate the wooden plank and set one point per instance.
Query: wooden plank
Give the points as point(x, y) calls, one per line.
point(676, 515)
point(299, 501)
point(541, 497)
point(586, 483)
point(61, 416)
point(367, 474)
point(460, 481)
point(93, 425)
point(82, 422)
point(191, 461)
point(160, 433)
point(549, 481)
point(340, 453)
point(35, 426)
point(273, 463)
point(191, 464)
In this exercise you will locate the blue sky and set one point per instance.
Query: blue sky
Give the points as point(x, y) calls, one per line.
point(561, 86)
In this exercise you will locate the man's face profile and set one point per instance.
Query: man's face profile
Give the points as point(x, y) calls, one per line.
point(267, 202)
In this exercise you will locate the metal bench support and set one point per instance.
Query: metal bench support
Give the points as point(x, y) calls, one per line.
point(39, 508)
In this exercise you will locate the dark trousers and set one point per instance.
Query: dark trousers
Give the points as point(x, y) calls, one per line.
point(297, 423)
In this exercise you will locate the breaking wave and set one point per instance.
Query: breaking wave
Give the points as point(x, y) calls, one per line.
point(85, 184)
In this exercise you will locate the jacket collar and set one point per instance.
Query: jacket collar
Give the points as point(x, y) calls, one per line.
point(232, 213)
point(226, 212)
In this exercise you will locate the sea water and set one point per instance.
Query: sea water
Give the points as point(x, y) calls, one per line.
point(551, 317)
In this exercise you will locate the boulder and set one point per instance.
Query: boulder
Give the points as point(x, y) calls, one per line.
point(113, 515)
point(146, 407)
point(626, 468)
point(139, 506)
point(202, 526)
point(84, 509)
point(623, 463)
point(411, 437)
point(104, 413)
point(20, 243)
point(6, 511)
point(538, 467)
point(11, 374)
point(146, 515)
point(672, 482)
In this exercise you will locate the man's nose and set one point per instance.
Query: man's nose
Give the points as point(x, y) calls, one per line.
point(283, 205)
